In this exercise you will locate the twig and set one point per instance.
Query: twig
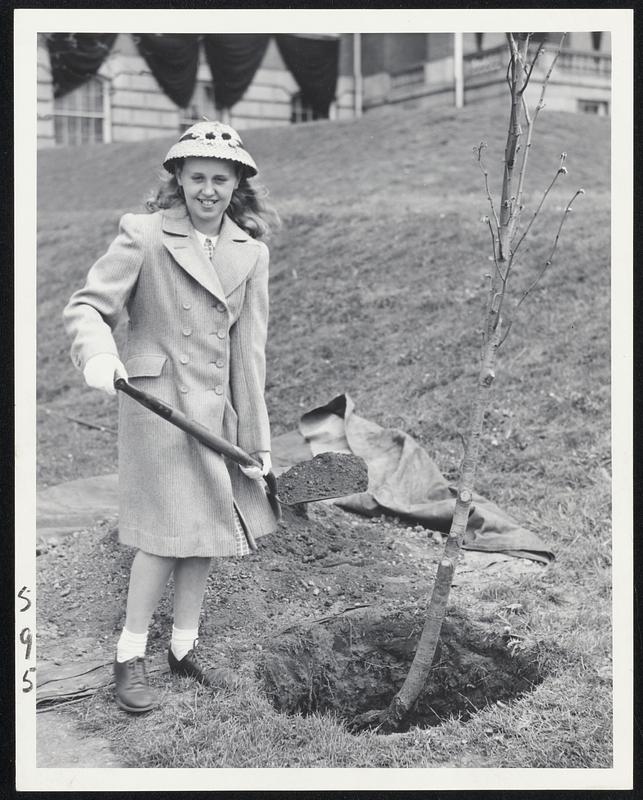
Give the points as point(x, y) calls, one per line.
point(83, 422)
point(528, 71)
point(318, 620)
point(55, 704)
point(485, 172)
point(547, 263)
point(560, 171)
point(493, 245)
point(512, 47)
point(530, 129)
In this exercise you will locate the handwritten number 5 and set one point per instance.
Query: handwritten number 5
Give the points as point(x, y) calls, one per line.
point(21, 595)
point(27, 680)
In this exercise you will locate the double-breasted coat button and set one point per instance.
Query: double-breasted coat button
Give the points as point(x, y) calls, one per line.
point(220, 362)
point(187, 305)
point(218, 389)
point(220, 307)
point(187, 331)
point(184, 359)
point(221, 333)
point(183, 389)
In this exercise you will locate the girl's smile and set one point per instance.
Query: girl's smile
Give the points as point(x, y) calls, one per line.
point(208, 184)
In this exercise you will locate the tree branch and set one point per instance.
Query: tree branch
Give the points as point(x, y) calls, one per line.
point(529, 70)
point(493, 245)
point(560, 171)
point(546, 265)
point(543, 87)
point(478, 150)
point(532, 121)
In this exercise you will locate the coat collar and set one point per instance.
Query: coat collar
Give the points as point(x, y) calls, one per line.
point(233, 256)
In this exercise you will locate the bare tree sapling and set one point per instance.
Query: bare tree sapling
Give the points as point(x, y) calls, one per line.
point(506, 240)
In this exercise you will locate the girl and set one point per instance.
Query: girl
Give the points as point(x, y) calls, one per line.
point(193, 276)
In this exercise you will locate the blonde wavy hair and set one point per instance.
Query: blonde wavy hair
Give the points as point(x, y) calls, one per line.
point(248, 205)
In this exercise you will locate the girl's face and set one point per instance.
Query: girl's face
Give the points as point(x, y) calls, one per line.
point(208, 184)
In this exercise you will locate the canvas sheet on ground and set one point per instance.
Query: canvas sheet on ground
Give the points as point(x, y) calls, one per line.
point(405, 482)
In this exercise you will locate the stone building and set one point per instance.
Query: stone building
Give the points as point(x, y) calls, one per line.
point(123, 101)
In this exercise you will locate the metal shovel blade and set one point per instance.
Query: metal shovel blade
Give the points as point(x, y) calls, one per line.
point(327, 475)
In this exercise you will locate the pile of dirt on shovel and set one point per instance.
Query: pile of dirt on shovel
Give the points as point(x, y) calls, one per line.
point(325, 475)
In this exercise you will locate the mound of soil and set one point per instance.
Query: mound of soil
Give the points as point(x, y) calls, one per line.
point(326, 613)
point(319, 561)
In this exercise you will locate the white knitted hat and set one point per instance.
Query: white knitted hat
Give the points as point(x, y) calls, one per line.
point(210, 140)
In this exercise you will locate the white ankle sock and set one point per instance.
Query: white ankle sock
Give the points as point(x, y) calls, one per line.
point(183, 640)
point(131, 645)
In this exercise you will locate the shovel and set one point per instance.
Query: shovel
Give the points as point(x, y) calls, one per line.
point(326, 476)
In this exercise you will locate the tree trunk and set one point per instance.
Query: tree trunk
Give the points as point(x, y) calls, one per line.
point(425, 652)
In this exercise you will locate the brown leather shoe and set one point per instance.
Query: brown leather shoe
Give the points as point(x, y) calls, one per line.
point(132, 688)
point(189, 666)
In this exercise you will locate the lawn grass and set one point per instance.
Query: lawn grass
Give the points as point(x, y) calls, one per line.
point(377, 289)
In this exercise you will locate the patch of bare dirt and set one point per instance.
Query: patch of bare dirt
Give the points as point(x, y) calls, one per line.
point(321, 565)
point(312, 565)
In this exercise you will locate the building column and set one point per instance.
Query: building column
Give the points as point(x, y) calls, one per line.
point(458, 73)
point(357, 73)
point(45, 98)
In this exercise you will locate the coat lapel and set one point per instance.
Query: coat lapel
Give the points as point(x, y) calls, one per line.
point(180, 241)
point(233, 257)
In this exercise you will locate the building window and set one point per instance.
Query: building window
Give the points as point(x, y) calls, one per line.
point(599, 107)
point(79, 115)
point(300, 111)
point(479, 39)
point(201, 105)
point(596, 39)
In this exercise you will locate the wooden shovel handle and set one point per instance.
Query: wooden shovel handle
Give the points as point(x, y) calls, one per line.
point(196, 429)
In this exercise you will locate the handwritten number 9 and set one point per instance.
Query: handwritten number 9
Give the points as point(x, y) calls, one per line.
point(26, 639)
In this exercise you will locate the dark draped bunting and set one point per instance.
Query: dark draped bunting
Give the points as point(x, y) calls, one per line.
point(76, 57)
point(234, 59)
point(174, 60)
point(314, 65)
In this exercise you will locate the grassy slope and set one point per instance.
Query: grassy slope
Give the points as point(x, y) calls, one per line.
point(377, 289)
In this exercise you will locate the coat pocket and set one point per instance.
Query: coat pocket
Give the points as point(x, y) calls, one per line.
point(145, 366)
point(144, 372)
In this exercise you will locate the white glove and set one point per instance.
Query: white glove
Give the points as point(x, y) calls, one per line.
point(255, 472)
point(100, 371)
point(266, 461)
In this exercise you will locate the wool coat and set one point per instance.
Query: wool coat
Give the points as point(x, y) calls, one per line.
point(196, 339)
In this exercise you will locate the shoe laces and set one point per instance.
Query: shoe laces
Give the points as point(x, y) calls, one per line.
point(137, 671)
point(195, 657)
